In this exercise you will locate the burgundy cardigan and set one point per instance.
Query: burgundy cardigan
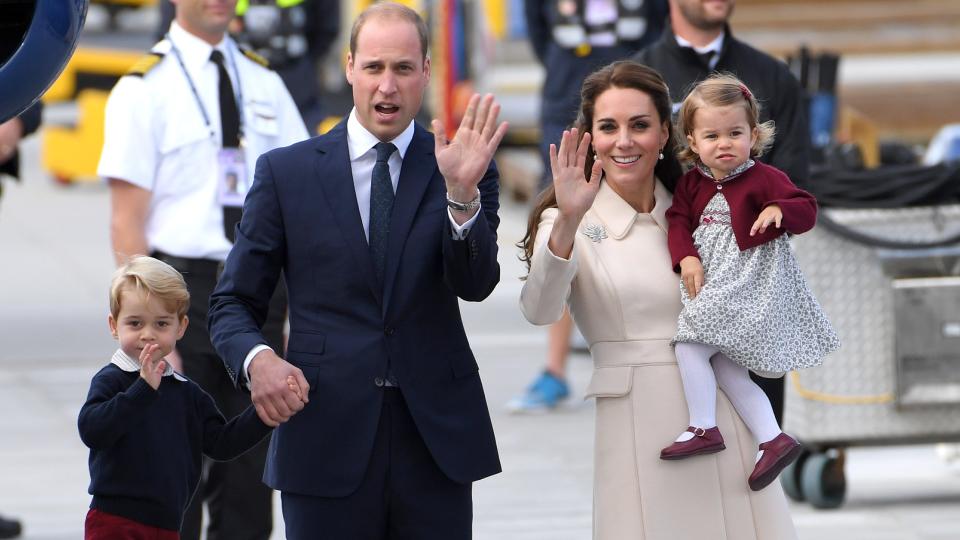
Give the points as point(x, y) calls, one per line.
point(747, 195)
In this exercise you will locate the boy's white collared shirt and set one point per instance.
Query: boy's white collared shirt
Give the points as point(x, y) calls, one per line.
point(123, 361)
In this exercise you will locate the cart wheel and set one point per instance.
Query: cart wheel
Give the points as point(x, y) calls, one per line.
point(791, 478)
point(822, 481)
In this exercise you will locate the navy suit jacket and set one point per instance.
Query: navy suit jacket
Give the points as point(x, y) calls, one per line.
point(301, 218)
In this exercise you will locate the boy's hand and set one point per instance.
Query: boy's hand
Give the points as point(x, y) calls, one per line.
point(294, 387)
point(271, 395)
point(770, 215)
point(691, 274)
point(152, 365)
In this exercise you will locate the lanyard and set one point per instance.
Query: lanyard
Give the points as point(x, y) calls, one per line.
point(196, 95)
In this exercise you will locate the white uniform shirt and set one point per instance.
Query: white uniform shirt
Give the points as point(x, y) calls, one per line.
point(155, 137)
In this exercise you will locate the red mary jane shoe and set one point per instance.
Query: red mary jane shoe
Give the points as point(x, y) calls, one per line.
point(778, 452)
point(704, 441)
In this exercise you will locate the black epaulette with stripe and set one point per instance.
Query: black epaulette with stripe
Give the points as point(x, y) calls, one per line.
point(145, 64)
point(254, 57)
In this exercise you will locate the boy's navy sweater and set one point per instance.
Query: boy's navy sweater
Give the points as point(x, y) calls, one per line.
point(145, 444)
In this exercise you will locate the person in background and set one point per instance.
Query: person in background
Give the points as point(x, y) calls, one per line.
point(698, 42)
point(11, 133)
point(10, 528)
point(293, 36)
point(571, 39)
point(195, 109)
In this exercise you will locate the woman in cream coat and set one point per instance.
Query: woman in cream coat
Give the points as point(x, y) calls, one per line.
point(601, 246)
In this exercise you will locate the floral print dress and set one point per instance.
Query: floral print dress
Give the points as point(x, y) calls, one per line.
point(755, 305)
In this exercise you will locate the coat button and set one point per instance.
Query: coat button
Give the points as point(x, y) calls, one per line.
point(388, 330)
point(378, 381)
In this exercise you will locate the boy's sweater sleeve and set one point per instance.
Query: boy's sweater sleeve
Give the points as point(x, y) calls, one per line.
point(223, 440)
point(111, 410)
point(798, 206)
point(679, 223)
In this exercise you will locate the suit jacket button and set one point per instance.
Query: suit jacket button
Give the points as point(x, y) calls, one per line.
point(388, 330)
point(378, 381)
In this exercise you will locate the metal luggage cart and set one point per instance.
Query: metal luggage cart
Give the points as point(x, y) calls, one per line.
point(889, 280)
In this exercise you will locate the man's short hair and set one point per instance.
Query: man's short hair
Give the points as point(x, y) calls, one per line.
point(152, 278)
point(390, 10)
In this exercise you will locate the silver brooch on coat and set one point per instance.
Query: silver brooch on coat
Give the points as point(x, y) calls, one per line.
point(594, 231)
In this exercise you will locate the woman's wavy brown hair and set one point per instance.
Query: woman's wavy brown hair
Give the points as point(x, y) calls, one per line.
point(621, 74)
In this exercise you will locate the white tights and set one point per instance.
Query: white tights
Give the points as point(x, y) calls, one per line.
point(700, 381)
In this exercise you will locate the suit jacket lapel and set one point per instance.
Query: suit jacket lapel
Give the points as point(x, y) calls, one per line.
point(416, 172)
point(334, 174)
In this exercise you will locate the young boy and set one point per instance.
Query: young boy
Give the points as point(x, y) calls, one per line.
point(147, 426)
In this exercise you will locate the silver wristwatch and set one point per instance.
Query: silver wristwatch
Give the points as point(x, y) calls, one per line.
point(469, 206)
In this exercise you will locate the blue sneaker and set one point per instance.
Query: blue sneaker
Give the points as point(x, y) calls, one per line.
point(544, 394)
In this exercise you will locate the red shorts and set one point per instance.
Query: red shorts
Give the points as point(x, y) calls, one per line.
point(103, 526)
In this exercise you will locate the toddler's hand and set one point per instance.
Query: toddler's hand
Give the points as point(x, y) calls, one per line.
point(152, 365)
point(691, 274)
point(294, 387)
point(770, 214)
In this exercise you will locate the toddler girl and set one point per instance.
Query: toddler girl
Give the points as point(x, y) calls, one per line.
point(746, 306)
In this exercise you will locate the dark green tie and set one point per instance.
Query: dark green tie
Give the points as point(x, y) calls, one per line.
point(381, 204)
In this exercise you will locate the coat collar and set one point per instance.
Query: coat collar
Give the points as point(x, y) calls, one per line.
point(333, 173)
point(416, 173)
point(618, 216)
point(669, 40)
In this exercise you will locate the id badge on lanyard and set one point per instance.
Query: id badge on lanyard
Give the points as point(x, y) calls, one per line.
point(231, 162)
point(232, 176)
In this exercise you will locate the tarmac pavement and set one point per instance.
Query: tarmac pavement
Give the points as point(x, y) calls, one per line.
point(56, 263)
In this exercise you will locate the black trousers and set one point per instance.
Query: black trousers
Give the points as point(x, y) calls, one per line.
point(239, 504)
point(403, 495)
point(773, 388)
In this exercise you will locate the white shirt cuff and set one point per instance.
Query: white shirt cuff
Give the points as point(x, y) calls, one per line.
point(246, 362)
point(459, 232)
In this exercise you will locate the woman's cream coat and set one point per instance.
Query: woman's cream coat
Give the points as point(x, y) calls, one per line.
point(625, 299)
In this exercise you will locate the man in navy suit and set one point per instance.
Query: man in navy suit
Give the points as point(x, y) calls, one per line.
point(393, 426)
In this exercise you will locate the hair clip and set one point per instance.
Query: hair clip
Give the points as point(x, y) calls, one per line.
point(745, 91)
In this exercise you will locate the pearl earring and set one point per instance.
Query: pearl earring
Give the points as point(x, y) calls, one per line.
point(661, 155)
point(596, 157)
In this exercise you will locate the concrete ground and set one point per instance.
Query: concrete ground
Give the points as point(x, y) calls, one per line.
point(56, 262)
